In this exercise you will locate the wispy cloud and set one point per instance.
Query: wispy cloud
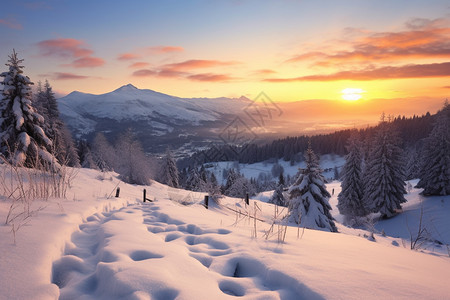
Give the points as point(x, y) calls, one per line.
point(198, 64)
point(186, 69)
point(139, 65)
point(128, 56)
point(146, 51)
point(11, 23)
point(70, 49)
point(164, 49)
point(423, 39)
point(87, 62)
point(64, 76)
point(387, 72)
point(210, 77)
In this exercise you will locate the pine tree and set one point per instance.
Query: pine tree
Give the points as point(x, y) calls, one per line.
point(278, 196)
point(308, 197)
point(435, 173)
point(350, 199)
point(169, 170)
point(22, 139)
point(64, 146)
point(85, 155)
point(384, 186)
point(213, 187)
point(194, 182)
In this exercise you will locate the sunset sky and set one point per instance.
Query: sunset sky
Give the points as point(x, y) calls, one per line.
point(292, 50)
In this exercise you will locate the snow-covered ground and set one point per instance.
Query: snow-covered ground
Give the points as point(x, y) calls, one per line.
point(91, 246)
point(327, 163)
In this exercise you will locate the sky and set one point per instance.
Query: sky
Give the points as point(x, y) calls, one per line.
point(291, 50)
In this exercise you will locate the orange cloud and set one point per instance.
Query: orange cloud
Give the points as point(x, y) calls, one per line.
point(128, 56)
point(144, 73)
point(388, 72)
point(139, 64)
point(11, 23)
point(197, 64)
point(183, 70)
point(211, 77)
point(424, 39)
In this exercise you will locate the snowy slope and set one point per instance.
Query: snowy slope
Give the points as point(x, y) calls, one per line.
point(83, 111)
point(94, 247)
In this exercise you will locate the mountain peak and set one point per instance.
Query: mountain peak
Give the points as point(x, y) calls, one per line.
point(127, 87)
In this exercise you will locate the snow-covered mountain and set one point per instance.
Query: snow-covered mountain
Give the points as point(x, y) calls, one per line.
point(153, 116)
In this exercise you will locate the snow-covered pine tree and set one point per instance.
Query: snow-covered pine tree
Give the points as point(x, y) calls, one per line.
point(22, 139)
point(435, 173)
point(232, 176)
point(169, 170)
point(85, 155)
point(241, 187)
point(413, 165)
point(384, 186)
point(308, 197)
point(194, 182)
point(278, 196)
point(213, 187)
point(64, 146)
point(350, 199)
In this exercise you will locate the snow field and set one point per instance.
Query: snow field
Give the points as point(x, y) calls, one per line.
point(90, 247)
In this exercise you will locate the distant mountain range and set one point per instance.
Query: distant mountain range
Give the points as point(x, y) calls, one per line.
point(188, 124)
point(159, 120)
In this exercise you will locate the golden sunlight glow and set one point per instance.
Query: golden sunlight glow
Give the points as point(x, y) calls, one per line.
point(351, 94)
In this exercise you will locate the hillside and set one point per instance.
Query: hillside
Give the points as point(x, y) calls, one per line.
point(110, 248)
point(158, 119)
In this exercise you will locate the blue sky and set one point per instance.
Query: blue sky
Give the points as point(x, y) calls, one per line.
point(232, 48)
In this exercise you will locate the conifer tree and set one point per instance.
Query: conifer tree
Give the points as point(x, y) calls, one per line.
point(194, 182)
point(384, 186)
point(213, 187)
point(435, 173)
point(169, 170)
point(85, 155)
point(350, 199)
point(22, 138)
point(63, 145)
point(308, 197)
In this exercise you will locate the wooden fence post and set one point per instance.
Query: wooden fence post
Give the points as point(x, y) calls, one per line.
point(246, 199)
point(145, 195)
point(206, 201)
point(118, 192)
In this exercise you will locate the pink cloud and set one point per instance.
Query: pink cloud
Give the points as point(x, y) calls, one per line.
point(128, 56)
point(164, 49)
point(198, 64)
point(11, 23)
point(144, 73)
point(72, 49)
point(139, 64)
point(63, 47)
point(88, 62)
point(67, 76)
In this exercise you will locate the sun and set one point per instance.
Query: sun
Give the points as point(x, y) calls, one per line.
point(351, 94)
